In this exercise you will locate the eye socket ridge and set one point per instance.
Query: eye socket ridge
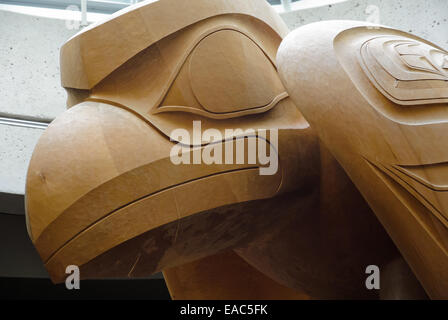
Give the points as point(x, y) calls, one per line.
point(225, 75)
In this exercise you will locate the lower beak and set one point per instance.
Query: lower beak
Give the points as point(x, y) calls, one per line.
point(102, 194)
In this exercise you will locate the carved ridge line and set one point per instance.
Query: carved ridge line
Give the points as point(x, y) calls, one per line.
point(142, 198)
point(380, 171)
point(421, 180)
point(412, 191)
point(224, 115)
point(184, 58)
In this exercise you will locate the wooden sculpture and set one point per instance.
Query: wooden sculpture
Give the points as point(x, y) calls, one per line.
point(104, 194)
point(377, 98)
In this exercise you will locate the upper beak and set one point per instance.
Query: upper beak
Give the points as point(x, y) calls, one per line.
point(101, 189)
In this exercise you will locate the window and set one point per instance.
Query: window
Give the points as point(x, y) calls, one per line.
point(99, 6)
point(277, 2)
point(109, 6)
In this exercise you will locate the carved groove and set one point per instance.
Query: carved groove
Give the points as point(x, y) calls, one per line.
point(408, 72)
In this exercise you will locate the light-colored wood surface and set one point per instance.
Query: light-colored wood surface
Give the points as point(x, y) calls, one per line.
point(91, 55)
point(102, 192)
point(101, 185)
point(377, 99)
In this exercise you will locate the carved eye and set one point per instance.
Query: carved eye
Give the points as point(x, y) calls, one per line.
point(226, 75)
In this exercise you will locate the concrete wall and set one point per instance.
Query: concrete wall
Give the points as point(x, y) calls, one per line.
point(425, 18)
point(29, 60)
point(29, 88)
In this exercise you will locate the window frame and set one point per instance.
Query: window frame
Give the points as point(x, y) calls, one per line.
point(104, 6)
point(96, 6)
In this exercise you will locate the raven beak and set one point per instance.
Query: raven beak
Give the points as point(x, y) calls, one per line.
point(103, 194)
point(102, 190)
